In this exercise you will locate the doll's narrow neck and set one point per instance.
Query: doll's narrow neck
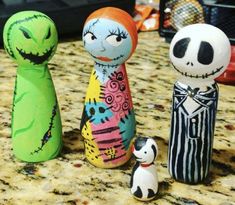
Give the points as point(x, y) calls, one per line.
point(32, 72)
point(104, 72)
point(196, 82)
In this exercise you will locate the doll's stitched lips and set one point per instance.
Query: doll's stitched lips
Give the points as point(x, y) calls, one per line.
point(105, 59)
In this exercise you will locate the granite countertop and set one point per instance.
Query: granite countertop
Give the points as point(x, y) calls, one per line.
point(70, 179)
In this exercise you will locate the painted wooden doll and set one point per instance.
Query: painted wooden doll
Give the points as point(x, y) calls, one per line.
point(30, 38)
point(199, 54)
point(144, 179)
point(108, 121)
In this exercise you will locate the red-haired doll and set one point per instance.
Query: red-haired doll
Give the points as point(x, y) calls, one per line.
point(108, 121)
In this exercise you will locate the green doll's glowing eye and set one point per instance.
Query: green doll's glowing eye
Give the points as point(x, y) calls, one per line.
point(48, 34)
point(25, 33)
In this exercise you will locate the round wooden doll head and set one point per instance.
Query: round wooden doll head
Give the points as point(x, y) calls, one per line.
point(110, 36)
point(145, 150)
point(200, 52)
point(30, 38)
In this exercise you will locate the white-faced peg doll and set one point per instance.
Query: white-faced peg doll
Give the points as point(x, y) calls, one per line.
point(144, 180)
point(199, 54)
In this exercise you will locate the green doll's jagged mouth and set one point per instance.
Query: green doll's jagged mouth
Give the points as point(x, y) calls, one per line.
point(36, 58)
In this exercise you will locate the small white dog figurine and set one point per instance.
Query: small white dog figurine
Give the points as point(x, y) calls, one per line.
point(144, 180)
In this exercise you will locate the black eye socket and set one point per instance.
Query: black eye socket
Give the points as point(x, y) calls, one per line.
point(101, 109)
point(181, 47)
point(26, 35)
point(48, 34)
point(92, 111)
point(205, 54)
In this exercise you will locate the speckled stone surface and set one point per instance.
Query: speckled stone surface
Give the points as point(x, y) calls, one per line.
point(70, 179)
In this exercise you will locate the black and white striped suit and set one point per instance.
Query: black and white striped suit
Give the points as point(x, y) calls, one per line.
point(191, 138)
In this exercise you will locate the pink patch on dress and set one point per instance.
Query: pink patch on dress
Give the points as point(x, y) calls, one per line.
point(117, 93)
point(107, 137)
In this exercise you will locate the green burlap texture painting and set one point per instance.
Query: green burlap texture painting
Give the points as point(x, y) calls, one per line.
point(30, 38)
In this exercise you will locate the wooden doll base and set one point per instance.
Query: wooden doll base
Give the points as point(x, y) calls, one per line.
point(189, 182)
point(144, 199)
point(37, 160)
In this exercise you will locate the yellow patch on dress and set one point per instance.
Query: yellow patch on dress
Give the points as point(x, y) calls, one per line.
point(91, 149)
point(93, 91)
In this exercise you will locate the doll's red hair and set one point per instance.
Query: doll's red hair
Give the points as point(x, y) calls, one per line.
point(119, 16)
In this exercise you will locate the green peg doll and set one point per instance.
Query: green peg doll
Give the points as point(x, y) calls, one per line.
point(30, 38)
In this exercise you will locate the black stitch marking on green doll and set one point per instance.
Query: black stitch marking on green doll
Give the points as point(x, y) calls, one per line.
point(16, 100)
point(20, 98)
point(15, 93)
point(19, 131)
point(13, 107)
point(48, 133)
point(11, 53)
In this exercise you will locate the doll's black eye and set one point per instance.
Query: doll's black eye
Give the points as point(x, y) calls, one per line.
point(48, 34)
point(180, 47)
point(92, 111)
point(119, 38)
point(101, 109)
point(205, 54)
point(25, 33)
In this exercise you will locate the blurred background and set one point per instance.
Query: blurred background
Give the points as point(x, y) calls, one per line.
point(69, 15)
point(164, 16)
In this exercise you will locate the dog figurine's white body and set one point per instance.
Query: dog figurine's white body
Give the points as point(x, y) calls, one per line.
point(144, 179)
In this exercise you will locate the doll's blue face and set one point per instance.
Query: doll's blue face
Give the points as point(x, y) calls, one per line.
point(107, 41)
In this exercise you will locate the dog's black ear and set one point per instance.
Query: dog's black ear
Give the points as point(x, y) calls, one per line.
point(140, 142)
point(154, 151)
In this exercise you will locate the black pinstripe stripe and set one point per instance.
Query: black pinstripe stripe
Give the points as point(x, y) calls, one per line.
point(189, 158)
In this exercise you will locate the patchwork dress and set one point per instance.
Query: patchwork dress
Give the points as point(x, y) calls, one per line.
point(108, 121)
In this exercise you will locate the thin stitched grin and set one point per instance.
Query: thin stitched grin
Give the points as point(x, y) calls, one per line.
point(36, 58)
point(206, 75)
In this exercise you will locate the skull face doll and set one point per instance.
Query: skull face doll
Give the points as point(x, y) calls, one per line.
point(199, 54)
point(108, 121)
